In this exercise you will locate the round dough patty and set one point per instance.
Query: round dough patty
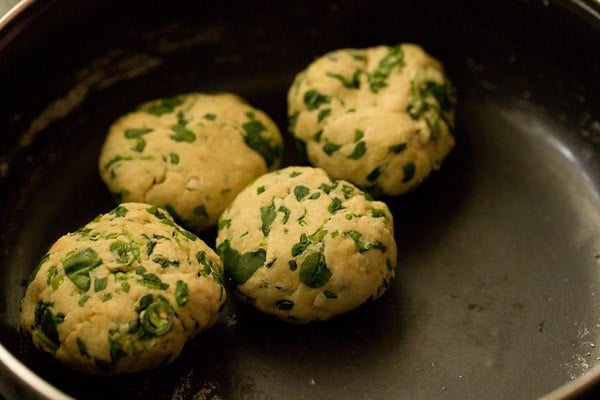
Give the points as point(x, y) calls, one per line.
point(124, 293)
point(190, 154)
point(379, 117)
point(304, 247)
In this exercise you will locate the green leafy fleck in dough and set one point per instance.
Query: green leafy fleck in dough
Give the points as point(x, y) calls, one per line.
point(301, 192)
point(313, 271)
point(210, 116)
point(378, 213)
point(352, 82)
point(33, 274)
point(286, 214)
point(267, 216)
point(54, 278)
point(224, 223)
point(100, 284)
point(359, 150)
point(335, 205)
point(45, 325)
point(182, 134)
point(409, 170)
point(362, 246)
point(240, 267)
point(136, 134)
point(324, 113)
point(373, 175)
point(164, 106)
point(314, 99)
point(78, 266)
point(253, 138)
point(330, 148)
point(393, 59)
point(397, 148)
point(299, 247)
point(174, 158)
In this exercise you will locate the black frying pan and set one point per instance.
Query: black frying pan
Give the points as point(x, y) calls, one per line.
point(497, 294)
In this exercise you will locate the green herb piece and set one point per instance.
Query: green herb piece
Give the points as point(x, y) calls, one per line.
point(151, 281)
point(302, 219)
point(388, 264)
point(324, 113)
point(336, 204)
point(314, 196)
point(260, 190)
point(348, 191)
point(378, 213)
point(158, 318)
point(314, 99)
point(164, 262)
point(210, 116)
point(397, 148)
point(358, 134)
point(301, 192)
point(330, 148)
point(82, 347)
point(174, 158)
point(100, 284)
point(164, 106)
point(293, 265)
point(373, 175)
point(117, 159)
point(224, 223)
point(330, 295)
point(253, 139)
point(299, 247)
point(294, 174)
point(286, 213)
point(318, 236)
point(267, 216)
point(393, 59)
point(181, 293)
point(284, 305)
point(54, 278)
point(83, 299)
point(78, 266)
point(116, 351)
point(325, 188)
point(409, 172)
point(352, 82)
point(334, 234)
point(137, 133)
point(45, 325)
point(124, 252)
point(106, 297)
point(119, 211)
point(240, 267)
point(125, 286)
point(317, 136)
point(313, 271)
point(362, 246)
point(182, 134)
point(359, 150)
point(33, 274)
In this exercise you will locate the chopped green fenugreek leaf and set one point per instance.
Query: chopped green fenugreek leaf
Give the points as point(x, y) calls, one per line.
point(136, 134)
point(181, 293)
point(313, 271)
point(210, 116)
point(314, 99)
point(397, 148)
point(373, 175)
point(240, 267)
point(33, 274)
point(83, 299)
point(299, 247)
point(359, 150)
point(362, 246)
point(393, 59)
point(336, 204)
point(253, 139)
point(267, 216)
point(293, 265)
point(352, 82)
point(150, 280)
point(164, 262)
point(82, 347)
point(115, 350)
point(330, 148)
point(324, 113)
point(301, 192)
point(174, 158)
point(294, 174)
point(317, 136)
point(182, 134)
point(318, 235)
point(260, 189)
point(358, 134)
point(78, 266)
point(286, 214)
point(314, 196)
point(348, 191)
point(125, 252)
point(224, 223)
point(45, 326)
point(409, 171)
point(54, 278)
point(378, 213)
point(164, 106)
point(284, 305)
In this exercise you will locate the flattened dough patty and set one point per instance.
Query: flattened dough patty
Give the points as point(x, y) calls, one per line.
point(380, 117)
point(304, 247)
point(124, 293)
point(190, 154)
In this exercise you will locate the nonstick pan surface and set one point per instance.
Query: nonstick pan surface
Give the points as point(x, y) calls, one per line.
point(497, 293)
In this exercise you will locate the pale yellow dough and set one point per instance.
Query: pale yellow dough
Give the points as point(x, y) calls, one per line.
point(124, 293)
point(304, 247)
point(380, 117)
point(191, 154)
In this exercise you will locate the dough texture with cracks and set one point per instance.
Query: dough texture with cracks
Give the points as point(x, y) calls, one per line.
point(190, 154)
point(123, 293)
point(380, 117)
point(304, 247)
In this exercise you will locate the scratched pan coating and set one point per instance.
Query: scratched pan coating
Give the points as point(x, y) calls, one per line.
point(498, 282)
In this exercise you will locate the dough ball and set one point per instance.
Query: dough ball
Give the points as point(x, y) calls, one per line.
point(124, 293)
point(190, 154)
point(304, 247)
point(380, 117)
